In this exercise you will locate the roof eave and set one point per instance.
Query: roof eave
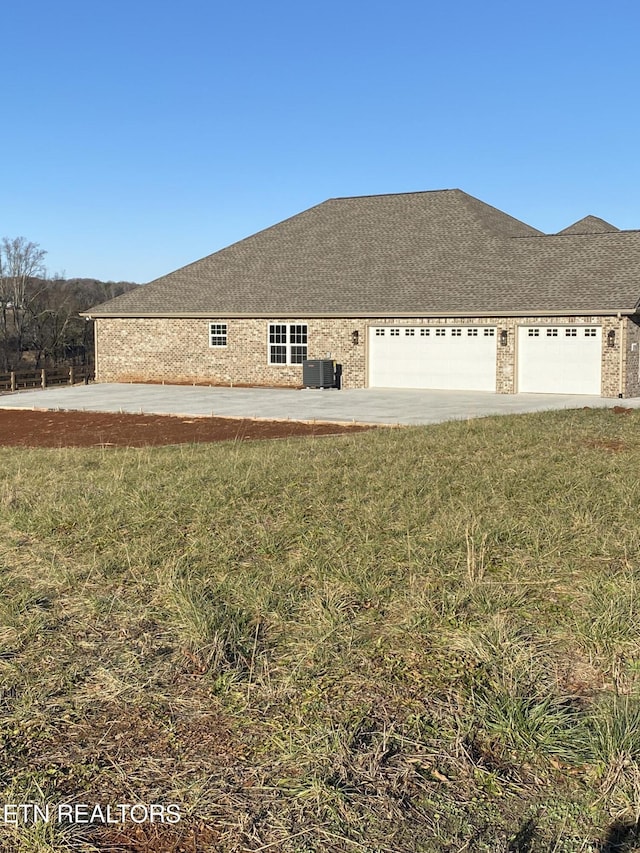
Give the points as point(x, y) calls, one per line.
point(359, 315)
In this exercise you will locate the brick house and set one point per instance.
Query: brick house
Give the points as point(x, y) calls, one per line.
point(415, 290)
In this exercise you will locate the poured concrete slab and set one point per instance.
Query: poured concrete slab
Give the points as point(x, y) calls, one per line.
point(377, 406)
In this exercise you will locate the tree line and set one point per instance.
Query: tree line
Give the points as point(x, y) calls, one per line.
point(40, 326)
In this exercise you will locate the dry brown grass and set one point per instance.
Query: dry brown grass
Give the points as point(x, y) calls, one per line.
point(350, 645)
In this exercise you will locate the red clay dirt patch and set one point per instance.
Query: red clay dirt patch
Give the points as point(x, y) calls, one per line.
point(613, 444)
point(164, 839)
point(28, 428)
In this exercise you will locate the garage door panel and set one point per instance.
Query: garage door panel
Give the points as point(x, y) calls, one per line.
point(560, 359)
point(435, 357)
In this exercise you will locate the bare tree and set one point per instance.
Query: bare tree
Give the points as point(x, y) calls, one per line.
point(40, 323)
point(21, 261)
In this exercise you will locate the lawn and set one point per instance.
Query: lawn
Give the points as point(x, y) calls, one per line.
point(419, 639)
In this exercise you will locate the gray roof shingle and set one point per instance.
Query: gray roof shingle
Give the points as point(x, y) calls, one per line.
point(439, 252)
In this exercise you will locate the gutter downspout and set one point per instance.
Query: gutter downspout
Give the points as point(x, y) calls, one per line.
point(621, 336)
point(95, 346)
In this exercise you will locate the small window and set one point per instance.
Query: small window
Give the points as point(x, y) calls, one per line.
point(394, 333)
point(472, 333)
point(425, 332)
point(590, 333)
point(380, 333)
point(409, 332)
point(533, 333)
point(570, 333)
point(217, 334)
point(440, 333)
point(456, 333)
point(552, 333)
point(489, 333)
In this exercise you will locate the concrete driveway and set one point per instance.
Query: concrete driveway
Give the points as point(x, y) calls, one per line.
point(378, 406)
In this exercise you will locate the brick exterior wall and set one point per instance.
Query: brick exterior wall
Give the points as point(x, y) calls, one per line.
point(631, 357)
point(178, 351)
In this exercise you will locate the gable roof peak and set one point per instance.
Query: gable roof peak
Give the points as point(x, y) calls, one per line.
point(589, 225)
point(392, 195)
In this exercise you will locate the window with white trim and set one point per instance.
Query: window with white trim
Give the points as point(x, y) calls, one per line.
point(287, 343)
point(217, 334)
point(590, 333)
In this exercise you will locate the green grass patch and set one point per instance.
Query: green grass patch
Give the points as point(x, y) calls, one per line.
point(403, 640)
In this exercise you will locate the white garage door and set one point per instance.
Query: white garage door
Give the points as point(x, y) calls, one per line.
point(560, 359)
point(446, 357)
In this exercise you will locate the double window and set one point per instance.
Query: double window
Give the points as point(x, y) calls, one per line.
point(287, 343)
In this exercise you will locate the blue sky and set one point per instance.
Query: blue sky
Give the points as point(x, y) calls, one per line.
point(139, 136)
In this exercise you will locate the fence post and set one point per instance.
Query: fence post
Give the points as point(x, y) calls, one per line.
point(43, 378)
point(13, 380)
point(71, 375)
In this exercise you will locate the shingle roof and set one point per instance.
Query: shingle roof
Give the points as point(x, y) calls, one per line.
point(438, 252)
point(589, 225)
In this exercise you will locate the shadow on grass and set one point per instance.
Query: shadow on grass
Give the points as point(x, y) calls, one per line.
point(621, 838)
point(523, 840)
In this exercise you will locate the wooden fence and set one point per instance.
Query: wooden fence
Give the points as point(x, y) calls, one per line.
point(17, 379)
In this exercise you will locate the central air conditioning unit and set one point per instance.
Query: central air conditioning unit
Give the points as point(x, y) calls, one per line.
point(319, 373)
